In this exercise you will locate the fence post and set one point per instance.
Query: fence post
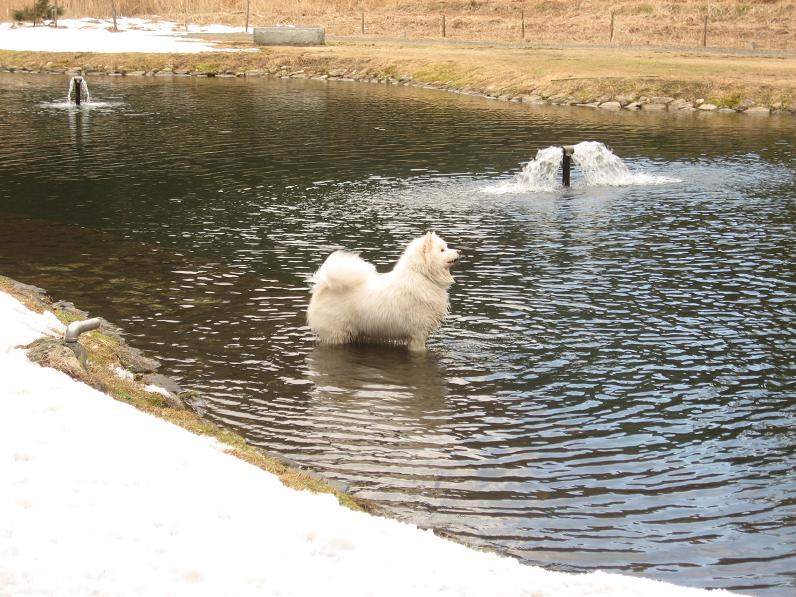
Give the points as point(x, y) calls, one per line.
point(611, 38)
point(362, 24)
point(185, 13)
point(246, 28)
point(705, 32)
point(522, 22)
point(443, 24)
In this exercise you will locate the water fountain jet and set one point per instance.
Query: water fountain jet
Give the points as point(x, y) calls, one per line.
point(79, 88)
point(598, 165)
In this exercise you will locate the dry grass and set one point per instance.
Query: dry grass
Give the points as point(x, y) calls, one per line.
point(766, 24)
point(578, 72)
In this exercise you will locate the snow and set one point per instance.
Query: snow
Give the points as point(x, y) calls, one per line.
point(157, 390)
point(95, 35)
point(123, 373)
point(100, 498)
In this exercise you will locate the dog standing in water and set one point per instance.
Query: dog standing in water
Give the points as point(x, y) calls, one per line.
point(352, 302)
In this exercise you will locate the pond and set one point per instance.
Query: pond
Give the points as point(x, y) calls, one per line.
point(614, 387)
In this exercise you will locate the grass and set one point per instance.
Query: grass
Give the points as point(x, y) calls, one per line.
point(581, 73)
point(103, 357)
point(766, 23)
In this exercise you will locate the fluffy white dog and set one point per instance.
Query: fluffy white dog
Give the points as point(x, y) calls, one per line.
point(352, 302)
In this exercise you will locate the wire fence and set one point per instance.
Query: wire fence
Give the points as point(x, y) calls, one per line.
point(753, 24)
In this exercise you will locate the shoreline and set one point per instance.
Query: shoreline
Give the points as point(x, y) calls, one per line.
point(127, 375)
point(613, 82)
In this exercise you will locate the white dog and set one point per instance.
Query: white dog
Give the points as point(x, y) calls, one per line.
point(352, 302)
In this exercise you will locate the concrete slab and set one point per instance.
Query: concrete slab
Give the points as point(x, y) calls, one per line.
point(290, 36)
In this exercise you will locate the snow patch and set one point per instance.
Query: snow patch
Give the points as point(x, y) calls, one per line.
point(97, 35)
point(99, 498)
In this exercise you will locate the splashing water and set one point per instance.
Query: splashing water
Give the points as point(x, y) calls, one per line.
point(601, 167)
point(598, 164)
point(84, 94)
point(538, 175)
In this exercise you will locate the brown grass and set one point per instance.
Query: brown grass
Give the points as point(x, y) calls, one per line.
point(578, 72)
point(764, 24)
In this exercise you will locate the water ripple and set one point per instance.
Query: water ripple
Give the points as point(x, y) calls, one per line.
point(614, 386)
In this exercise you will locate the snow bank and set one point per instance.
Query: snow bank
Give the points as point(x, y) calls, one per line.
point(99, 498)
point(93, 35)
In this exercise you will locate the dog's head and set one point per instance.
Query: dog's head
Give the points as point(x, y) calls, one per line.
point(430, 255)
point(436, 251)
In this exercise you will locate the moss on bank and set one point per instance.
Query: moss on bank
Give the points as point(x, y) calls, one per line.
point(105, 349)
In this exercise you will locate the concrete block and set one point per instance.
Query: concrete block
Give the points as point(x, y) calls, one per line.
point(290, 36)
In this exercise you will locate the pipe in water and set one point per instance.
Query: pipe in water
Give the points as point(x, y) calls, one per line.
point(566, 163)
point(78, 83)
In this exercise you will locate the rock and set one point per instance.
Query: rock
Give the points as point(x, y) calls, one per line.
point(726, 110)
point(253, 73)
point(51, 352)
point(610, 106)
point(135, 73)
point(633, 106)
point(70, 308)
point(699, 102)
point(678, 104)
point(654, 107)
point(661, 99)
point(590, 105)
point(133, 360)
point(759, 110)
point(174, 390)
point(164, 382)
point(707, 107)
point(39, 295)
point(536, 100)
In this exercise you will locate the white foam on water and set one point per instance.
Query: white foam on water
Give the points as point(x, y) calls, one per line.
point(538, 175)
point(601, 167)
point(598, 165)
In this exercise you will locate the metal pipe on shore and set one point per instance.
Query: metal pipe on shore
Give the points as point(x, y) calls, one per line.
point(74, 329)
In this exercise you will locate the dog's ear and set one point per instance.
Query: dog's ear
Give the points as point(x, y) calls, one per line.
point(428, 241)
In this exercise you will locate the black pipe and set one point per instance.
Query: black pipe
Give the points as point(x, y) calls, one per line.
point(566, 165)
point(78, 83)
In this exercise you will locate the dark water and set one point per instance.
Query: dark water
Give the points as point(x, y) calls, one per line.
point(615, 386)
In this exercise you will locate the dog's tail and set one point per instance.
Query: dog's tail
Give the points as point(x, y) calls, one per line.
point(341, 271)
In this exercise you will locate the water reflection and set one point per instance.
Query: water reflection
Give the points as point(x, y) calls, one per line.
point(614, 387)
point(402, 386)
point(79, 124)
